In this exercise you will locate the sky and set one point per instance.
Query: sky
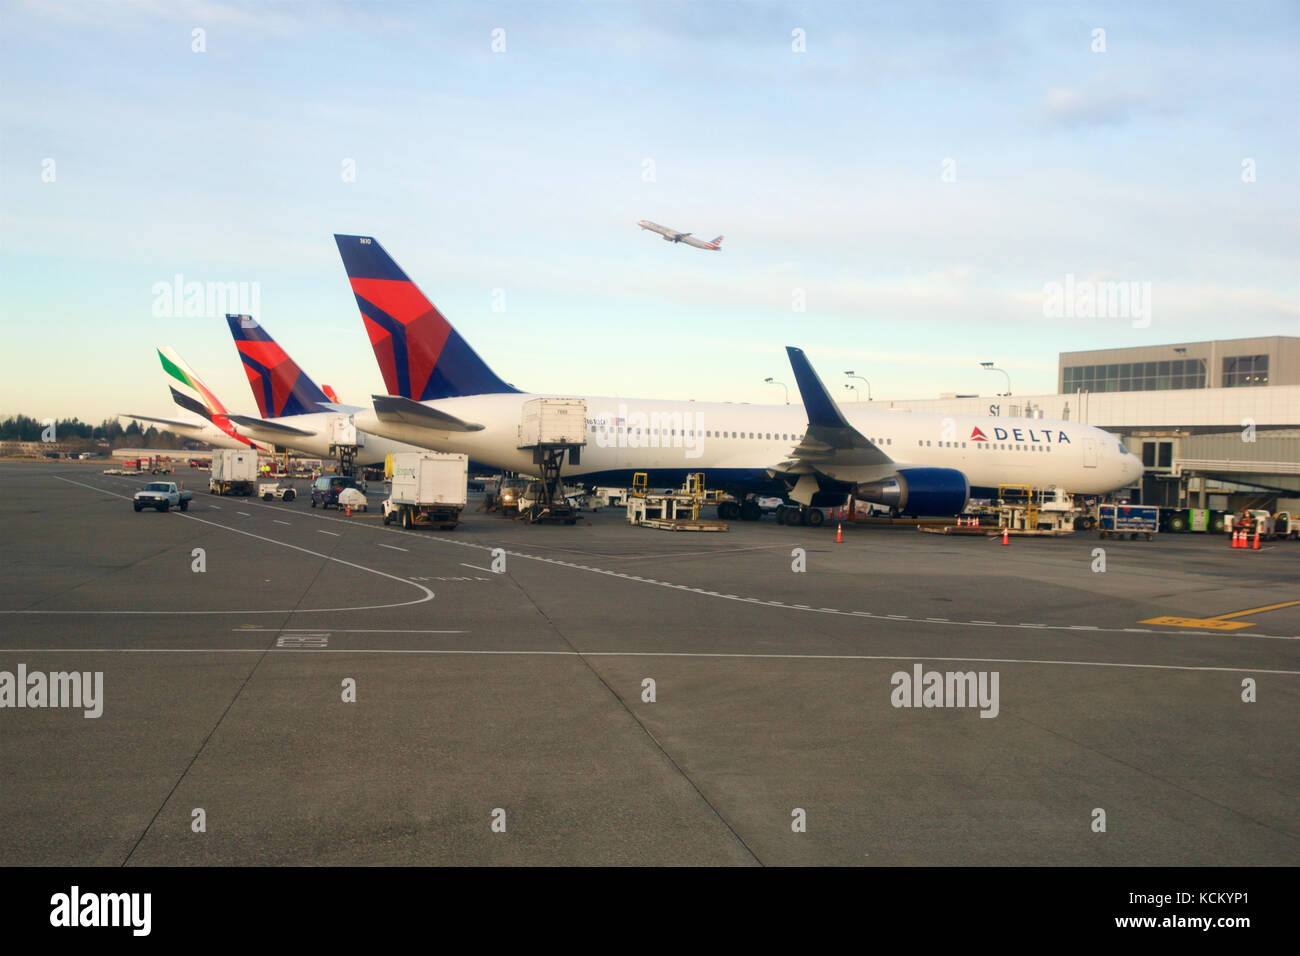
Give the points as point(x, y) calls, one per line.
point(899, 186)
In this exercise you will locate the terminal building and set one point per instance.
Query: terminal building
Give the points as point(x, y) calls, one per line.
point(1217, 424)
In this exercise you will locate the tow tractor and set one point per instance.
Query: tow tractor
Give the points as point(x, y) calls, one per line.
point(270, 490)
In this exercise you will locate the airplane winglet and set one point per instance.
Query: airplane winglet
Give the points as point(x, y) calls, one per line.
point(821, 408)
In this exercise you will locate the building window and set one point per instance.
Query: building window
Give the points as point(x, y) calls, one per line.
point(1157, 454)
point(1240, 371)
point(1136, 376)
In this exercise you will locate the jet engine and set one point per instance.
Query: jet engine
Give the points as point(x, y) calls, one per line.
point(920, 491)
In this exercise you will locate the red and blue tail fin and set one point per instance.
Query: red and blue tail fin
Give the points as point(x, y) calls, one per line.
point(280, 387)
point(421, 356)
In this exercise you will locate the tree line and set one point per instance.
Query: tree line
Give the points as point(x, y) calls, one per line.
point(26, 428)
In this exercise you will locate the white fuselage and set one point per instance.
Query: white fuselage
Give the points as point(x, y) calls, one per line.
point(372, 451)
point(727, 438)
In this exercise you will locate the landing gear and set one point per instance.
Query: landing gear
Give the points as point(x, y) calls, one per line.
point(750, 511)
point(729, 511)
point(813, 516)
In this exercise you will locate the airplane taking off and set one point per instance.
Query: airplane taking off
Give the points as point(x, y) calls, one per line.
point(191, 394)
point(672, 235)
point(296, 413)
point(915, 464)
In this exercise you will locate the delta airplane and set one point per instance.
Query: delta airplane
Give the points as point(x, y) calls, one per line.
point(295, 412)
point(190, 394)
point(672, 235)
point(445, 398)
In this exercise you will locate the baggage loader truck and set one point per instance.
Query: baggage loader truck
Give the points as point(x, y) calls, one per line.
point(429, 488)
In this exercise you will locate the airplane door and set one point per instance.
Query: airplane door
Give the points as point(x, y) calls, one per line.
point(1090, 453)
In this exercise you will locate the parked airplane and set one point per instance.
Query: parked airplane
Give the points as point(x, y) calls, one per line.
point(190, 394)
point(672, 235)
point(913, 463)
point(295, 412)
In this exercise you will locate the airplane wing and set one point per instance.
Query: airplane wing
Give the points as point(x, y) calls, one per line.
point(830, 446)
point(270, 431)
point(681, 235)
point(173, 423)
point(394, 408)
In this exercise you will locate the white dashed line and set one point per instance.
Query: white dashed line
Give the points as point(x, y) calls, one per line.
point(334, 534)
point(392, 547)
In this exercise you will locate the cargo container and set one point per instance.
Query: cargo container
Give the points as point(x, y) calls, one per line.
point(1131, 520)
point(553, 421)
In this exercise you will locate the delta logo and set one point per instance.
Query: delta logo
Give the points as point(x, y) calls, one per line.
point(1019, 434)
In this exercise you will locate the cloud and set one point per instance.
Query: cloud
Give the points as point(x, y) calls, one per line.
point(1074, 107)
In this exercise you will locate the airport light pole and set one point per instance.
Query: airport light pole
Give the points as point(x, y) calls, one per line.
point(857, 398)
point(772, 381)
point(861, 379)
point(993, 368)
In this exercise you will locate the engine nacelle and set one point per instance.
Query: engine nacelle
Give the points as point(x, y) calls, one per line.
point(920, 491)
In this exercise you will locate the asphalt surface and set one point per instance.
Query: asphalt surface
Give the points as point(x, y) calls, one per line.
point(519, 696)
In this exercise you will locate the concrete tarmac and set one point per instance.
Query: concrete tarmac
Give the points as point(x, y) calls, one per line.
point(616, 695)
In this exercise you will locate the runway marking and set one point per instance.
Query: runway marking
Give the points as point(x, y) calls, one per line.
point(244, 513)
point(687, 654)
point(1255, 610)
point(428, 594)
point(337, 630)
point(278, 521)
point(425, 536)
point(393, 547)
point(475, 567)
point(334, 534)
point(1220, 622)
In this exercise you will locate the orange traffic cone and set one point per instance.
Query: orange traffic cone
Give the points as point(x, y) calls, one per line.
point(1255, 547)
point(1006, 537)
point(1234, 538)
point(839, 534)
point(349, 509)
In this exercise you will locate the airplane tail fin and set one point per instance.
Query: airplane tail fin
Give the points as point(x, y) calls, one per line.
point(420, 355)
point(328, 390)
point(192, 395)
point(187, 391)
point(717, 242)
point(280, 387)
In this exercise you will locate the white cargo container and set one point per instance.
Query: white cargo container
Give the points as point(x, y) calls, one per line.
point(234, 472)
point(428, 488)
point(342, 430)
point(553, 421)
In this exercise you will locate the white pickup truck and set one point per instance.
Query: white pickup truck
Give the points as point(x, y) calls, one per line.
point(162, 495)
